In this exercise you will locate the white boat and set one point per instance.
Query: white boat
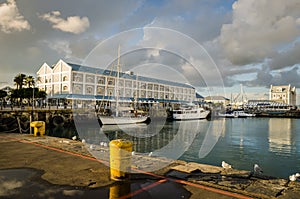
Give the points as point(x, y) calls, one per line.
point(236, 114)
point(110, 120)
point(119, 117)
point(190, 113)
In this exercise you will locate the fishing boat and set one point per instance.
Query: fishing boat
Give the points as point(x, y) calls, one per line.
point(119, 116)
point(190, 113)
point(236, 114)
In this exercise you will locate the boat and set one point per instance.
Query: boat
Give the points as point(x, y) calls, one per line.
point(119, 116)
point(113, 120)
point(190, 113)
point(236, 114)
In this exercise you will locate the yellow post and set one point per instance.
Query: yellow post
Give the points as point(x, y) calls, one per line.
point(39, 127)
point(119, 190)
point(120, 159)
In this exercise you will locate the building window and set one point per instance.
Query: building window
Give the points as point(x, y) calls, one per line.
point(65, 88)
point(100, 90)
point(65, 78)
point(150, 86)
point(77, 77)
point(111, 81)
point(161, 88)
point(128, 83)
point(89, 90)
point(77, 89)
point(90, 79)
point(101, 80)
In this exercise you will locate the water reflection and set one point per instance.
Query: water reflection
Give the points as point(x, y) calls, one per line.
point(273, 143)
point(280, 138)
point(167, 139)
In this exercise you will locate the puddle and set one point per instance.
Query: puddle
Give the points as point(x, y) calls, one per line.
point(27, 183)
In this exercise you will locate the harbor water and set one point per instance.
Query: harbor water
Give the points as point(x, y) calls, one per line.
point(272, 143)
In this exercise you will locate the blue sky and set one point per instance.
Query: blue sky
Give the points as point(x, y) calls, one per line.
point(248, 42)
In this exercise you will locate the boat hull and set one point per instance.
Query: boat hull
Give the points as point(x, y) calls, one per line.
point(191, 116)
point(236, 114)
point(110, 120)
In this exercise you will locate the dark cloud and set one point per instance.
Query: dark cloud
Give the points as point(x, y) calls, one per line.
point(286, 58)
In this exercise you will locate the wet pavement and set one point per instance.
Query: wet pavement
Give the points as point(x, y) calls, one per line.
point(48, 167)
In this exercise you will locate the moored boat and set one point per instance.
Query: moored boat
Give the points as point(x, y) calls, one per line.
point(236, 114)
point(190, 113)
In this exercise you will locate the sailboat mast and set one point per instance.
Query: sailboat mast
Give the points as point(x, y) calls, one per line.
point(117, 83)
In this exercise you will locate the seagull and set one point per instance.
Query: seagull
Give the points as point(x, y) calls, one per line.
point(150, 154)
point(92, 146)
point(74, 137)
point(105, 144)
point(297, 175)
point(226, 165)
point(257, 169)
point(132, 153)
point(293, 177)
point(101, 143)
point(83, 140)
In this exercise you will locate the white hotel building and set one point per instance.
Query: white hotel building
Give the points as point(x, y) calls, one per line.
point(83, 85)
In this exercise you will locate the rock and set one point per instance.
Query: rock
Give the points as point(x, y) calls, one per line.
point(236, 173)
point(266, 187)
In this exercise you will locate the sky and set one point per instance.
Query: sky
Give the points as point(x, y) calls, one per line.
point(214, 45)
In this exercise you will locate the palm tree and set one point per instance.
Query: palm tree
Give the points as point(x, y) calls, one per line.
point(19, 80)
point(29, 81)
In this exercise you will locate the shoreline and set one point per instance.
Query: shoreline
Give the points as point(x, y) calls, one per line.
point(75, 153)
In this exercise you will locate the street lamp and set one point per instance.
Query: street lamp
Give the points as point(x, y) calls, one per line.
point(33, 96)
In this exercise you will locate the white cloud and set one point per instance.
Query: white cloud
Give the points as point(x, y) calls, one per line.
point(10, 18)
point(259, 29)
point(73, 24)
point(62, 47)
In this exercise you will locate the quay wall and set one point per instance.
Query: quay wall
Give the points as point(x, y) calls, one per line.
point(18, 119)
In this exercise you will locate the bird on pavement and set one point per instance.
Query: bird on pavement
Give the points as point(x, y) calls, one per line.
point(257, 169)
point(225, 165)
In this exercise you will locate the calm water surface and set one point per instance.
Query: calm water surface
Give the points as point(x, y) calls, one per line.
point(273, 143)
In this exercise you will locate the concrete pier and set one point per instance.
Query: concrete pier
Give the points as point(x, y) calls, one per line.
point(67, 162)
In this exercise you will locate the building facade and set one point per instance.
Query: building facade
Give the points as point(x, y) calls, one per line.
point(283, 94)
point(75, 82)
point(217, 100)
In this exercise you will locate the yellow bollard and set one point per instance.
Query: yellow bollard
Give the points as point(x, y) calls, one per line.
point(119, 190)
point(120, 159)
point(39, 127)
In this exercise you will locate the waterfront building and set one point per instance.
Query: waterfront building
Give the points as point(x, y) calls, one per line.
point(283, 94)
point(268, 105)
point(68, 83)
point(217, 100)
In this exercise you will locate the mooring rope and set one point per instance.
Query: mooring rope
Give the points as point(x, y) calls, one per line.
point(20, 128)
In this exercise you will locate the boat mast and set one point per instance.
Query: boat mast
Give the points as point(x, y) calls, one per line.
point(117, 83)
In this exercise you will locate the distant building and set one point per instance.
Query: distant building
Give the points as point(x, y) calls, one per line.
point(283, 94)
point(217, 100)
point(199, 98)
point(66, 81)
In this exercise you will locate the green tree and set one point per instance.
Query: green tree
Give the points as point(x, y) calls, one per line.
point(29, 81)
point(41, 94)
point(20, 80)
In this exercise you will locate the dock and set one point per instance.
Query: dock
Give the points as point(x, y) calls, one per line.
point(69, 165)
